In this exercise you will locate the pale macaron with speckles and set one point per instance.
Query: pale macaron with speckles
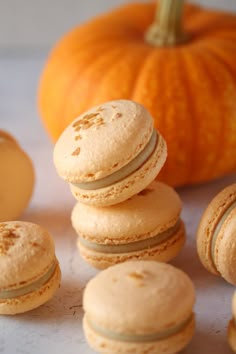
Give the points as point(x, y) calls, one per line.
point(110, 153)
point(232, 326)
point(139, 307)
point(146, 226)
point(16, 178)
point(30, 273)
point(216, 242)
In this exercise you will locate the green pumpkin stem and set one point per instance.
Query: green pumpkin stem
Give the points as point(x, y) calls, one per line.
point(166, 29)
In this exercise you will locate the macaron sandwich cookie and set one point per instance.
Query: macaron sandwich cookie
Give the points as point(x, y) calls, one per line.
point(30, 273)
point(16, 178)
point(216, 235)
point(110, 153)
point(232, 326)
point(139, 307)
point(146, 226)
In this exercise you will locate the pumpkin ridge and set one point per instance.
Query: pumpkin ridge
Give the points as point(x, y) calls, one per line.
point(139, 96)
point(225, 126)
point(219, 151)
point(194, 131)
point(142, 65)
point(46, 76)
point(74, 82)
point(209, 24)
point(109, 70)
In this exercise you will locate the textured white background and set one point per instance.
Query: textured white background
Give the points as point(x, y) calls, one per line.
point(27, 24)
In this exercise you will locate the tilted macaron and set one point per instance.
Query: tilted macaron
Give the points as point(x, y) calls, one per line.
point(146, 226)
point(139, 307)
point(30, 273)
point(232, 326)
point(110, 153)
point(16, 178)
point(216, 242)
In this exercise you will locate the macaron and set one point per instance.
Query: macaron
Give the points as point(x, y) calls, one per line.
point(216, 243)
point(16, 178)
point(30, 273)
point(232, 326)
point(139, 307)
point(110, 153)
point(145, 226)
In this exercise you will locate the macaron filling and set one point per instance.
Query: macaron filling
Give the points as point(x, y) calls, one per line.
point(132, 246)
point(10, 294)
point(126, 170)
point(218, 228)
point(139, 338)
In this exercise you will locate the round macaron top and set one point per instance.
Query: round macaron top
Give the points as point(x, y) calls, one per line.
point(26, 254)
point(147, 214)
point(216, 233)
point(139, 297)
point(102, 141)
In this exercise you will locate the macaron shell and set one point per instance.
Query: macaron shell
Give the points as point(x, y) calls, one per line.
point(16, 180)
point(225, 249)
point(6, 136)
point(26, 253)
point(32, 300)
point(209, 220)
point(170, 345)
point(102, 140)
point(163, 252)
point(146, 296)
point(129, 186)
point(147, 214)
point(231, 334)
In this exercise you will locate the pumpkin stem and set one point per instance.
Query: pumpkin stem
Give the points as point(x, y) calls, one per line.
point(166, 29)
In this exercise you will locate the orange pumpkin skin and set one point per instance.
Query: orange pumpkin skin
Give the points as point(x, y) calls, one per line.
point(189, 89)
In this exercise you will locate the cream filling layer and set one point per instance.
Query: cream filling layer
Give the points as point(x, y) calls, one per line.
point(125, 171)
point(132, 246)
point(10, 294)
point(217, 229)
point(139, 338)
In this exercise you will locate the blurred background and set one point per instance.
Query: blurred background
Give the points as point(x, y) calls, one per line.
point(35, 25)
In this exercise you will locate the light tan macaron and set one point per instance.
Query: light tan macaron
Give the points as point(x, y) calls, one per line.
point(30, 273)
point(16, 178)
point(139, 307)
point(110, 153)
point(216, 242)
point(146, 226)
point(232, 326)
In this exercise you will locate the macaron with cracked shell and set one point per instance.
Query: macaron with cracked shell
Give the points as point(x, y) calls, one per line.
point(146, 226)
point(232, 326)
point(16, 178)
point(151, 312)
point(110, 153)
point(30, 272)
point(216, 244)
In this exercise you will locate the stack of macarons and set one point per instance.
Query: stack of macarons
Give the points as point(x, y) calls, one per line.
point(110, 156)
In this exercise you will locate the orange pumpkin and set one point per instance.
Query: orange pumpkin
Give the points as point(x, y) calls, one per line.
point(187, 82)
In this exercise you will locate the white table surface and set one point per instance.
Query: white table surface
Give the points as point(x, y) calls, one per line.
point(56, 326)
